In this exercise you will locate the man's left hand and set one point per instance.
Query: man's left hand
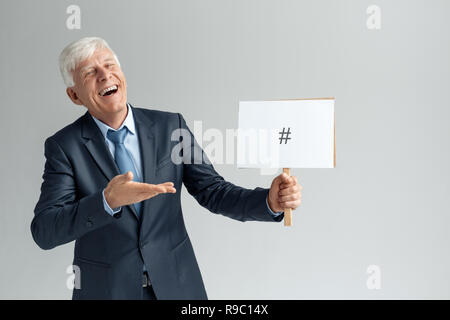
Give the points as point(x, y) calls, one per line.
point(285, 192)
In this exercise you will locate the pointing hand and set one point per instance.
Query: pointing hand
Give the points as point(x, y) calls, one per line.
point(122, 190)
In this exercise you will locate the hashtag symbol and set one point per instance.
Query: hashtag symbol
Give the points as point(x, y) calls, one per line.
point(284, 135)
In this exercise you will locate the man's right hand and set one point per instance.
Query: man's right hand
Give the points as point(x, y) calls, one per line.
point(122, 190)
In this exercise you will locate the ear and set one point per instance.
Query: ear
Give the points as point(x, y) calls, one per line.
point(73, 96)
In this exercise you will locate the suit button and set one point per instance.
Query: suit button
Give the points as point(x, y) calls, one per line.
point(89, 223)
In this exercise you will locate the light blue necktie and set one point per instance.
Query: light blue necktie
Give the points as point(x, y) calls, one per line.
point(123, 157)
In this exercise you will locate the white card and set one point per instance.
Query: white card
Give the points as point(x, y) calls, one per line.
point(286, 134)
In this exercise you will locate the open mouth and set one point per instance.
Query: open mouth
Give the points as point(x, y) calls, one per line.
point(110, 91)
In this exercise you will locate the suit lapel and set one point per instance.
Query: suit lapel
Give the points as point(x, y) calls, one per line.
point(99, 151)
point(147, 146)
point(97, 147)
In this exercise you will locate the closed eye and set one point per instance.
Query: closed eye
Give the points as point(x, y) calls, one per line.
point(89, 73)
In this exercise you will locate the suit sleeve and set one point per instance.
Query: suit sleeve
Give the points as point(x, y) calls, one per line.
point(59, 216)
point(213, 192)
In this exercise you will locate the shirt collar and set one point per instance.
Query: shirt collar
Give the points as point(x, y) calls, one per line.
point(128, 122)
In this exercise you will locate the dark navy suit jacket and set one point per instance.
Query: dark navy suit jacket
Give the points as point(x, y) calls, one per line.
point(110, 251)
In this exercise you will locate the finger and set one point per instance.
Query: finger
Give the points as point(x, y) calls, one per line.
point(153, 191)
point(162, 188)
point(281, 178)
point(288, 190)
point(291, 204)
point(140, 187)
point(167, 189)
point(289, 180)
point(284, 178)
point(120, 177)
point(286, 185)
point(167, 184)
point(293, 183)
point(148, 189)
point(291, 197)
point(157, 189)
point(127, 176)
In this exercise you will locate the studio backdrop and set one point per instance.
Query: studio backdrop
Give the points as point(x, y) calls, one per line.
point(377, 226)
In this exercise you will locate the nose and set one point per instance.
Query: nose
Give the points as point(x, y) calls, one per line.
point(103, 74)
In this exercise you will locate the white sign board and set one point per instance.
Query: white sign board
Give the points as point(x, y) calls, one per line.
point(286, 134)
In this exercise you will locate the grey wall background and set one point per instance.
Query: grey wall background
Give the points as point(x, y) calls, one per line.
point(385, 204)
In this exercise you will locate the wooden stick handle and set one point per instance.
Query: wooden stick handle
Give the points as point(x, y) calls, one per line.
point(287, 211)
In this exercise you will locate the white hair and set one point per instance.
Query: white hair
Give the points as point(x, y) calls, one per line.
point(78, 51)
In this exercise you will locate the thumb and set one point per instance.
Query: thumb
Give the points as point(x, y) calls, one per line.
point(283, 178)
point(127, 176)
point(280, 179)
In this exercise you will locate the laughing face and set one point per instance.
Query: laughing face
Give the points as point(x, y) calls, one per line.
point(100, 86)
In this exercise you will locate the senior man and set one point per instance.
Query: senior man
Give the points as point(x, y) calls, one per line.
point(111, 183)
